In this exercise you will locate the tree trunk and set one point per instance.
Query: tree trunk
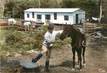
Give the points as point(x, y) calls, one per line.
point(100, 15)
point(1, 8)
point(39, 3)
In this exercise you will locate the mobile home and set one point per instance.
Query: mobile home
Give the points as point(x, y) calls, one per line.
point(55, 15)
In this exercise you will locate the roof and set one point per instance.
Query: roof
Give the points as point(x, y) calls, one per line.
point(52, 9)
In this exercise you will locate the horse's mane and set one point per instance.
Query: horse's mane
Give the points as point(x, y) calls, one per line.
point(71, 28)
point(73, 32)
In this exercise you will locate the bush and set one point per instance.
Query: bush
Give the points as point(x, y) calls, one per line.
point(59, 43)
point(104, 29)
point(20, 41)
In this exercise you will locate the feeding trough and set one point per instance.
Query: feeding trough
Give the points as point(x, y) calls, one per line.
point(27, 64)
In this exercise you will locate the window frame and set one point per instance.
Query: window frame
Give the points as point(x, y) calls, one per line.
point(48, 18)
point(66, 17)
point(39, 16)
point(33, 14)
point(28, 15)
point(55, 16)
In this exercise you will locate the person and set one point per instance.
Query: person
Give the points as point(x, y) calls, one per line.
point(49, 38)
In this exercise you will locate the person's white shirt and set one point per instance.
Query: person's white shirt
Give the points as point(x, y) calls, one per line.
point(50, 37)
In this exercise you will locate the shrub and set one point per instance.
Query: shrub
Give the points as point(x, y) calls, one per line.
point(59, 43)
point(20, 41)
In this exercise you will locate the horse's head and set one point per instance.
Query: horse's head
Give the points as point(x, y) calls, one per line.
point(66, 31)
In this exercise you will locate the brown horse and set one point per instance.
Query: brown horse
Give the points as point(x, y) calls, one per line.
point(78, 43)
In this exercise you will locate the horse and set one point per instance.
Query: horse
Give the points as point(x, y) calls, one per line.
point(78, 43)
point(11, 21)
point(27, 25)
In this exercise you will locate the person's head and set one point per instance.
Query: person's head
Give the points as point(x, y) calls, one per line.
point(50, 27)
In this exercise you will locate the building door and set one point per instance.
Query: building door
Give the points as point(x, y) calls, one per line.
point(76, 19)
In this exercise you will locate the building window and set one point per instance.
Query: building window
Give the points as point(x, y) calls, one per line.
point(66, 17)
point(39, 16)
point(55, 16)
point(47, 17)
point(27, 15)
point(33, 15)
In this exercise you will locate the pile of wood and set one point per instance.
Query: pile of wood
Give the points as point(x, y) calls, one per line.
point(89, 27)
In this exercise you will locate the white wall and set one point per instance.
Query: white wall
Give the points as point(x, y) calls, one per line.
point(81, 16)
point(60, 17)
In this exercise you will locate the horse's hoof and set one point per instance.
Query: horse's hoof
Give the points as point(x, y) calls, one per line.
point(77, 66)
point(46, 70)
point(84, 65)
point(73, 69)
point(80, 70)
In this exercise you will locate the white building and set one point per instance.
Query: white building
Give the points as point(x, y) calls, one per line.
point(55, 15)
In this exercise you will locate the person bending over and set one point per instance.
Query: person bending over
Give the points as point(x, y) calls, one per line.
point(47, 44)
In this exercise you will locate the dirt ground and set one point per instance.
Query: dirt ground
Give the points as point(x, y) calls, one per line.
point(96, 58)
point(61, 59)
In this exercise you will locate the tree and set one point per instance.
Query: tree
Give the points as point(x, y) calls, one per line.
point(2, 3)
point(49, 4)
point(16, 8)
point(9, 6)
point(89, 6)
point(68, 4)
point(100, 15)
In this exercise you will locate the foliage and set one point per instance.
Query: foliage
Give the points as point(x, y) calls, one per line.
point(68, 4)
point(9, 8)
point(16, 8)
point(20, 41)
point(60, 43)
point(38, 35)
point(91, 7)
point(49, 4)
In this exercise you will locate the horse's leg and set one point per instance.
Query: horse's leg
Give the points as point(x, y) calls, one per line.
point(79, 52)
point(73, 51)
point(83, 54)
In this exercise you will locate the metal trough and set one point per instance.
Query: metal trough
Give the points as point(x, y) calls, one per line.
point(28, 66)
